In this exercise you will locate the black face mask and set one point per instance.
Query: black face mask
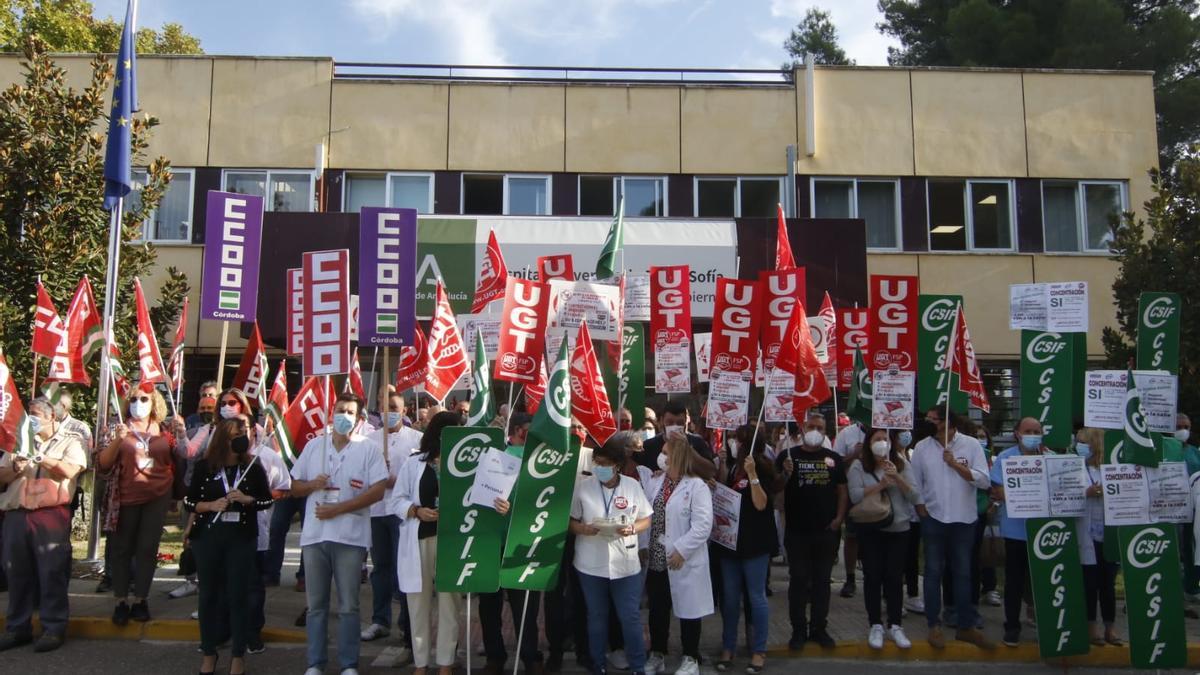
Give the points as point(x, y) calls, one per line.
point(240, 445)
point(206, 417)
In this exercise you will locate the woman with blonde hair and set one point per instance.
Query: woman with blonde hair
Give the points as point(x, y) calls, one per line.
point(678, 575)
point(1100, 577)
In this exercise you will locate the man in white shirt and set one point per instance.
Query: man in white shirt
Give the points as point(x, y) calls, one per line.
point(343, 476)
point(401, 443)
point(948, 468)
point(848, 444)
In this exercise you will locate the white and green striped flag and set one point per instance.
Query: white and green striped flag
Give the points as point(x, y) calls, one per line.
point(606, 266)
point(483, 403)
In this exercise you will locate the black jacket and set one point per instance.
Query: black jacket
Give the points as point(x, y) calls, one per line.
point(207, 486)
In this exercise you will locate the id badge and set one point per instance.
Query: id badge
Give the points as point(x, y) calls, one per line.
point(231, 517)
point(146, 463)
point(331, 495)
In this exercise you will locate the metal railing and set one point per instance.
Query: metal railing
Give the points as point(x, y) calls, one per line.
point(361, 70)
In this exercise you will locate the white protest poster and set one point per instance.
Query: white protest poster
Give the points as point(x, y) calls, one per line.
point(703, 355)
point(777, 404)
point(571, 302)
point(1104, 399)
point(488, 324)
point(727, 512)
point(637, 297)
point(1067, 482)
point(893, 402)
point(495, 477)
point(1027, 307)
point(1159, 391)
point(1170, 493)
point(1067, 307)
point(728, 399)
point(1126, 494)
point(1026, 493)
point(673, 368)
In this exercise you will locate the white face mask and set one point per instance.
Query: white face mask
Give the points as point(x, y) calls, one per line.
point(139, 410)
point(647, 434)
point(734, 446)
point(1182, 435)
point(880, 449)
point(662, 461)
point(228, 411)
point(814, 438)
point(674, 427)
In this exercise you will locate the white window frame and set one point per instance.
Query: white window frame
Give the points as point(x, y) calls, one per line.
point(462, 189)
point(147, 224)
point(854, 180)
point(618, 185)
point(268, 203)
point(737, 190)
point(1081, 211)
point(387, 176)
point(545, 177)
point(969, 214)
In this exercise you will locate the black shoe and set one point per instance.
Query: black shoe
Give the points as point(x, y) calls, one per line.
point(48, 642)
point(302, 620)
point(1012, 637)
point(822, 638)
point(270, 582)
point(848, 589)
point(14, 640)
point(797, 642)
point(554, 663)
point(105, 585)
point(140, 611)
point(120, 615)
point(255, 648)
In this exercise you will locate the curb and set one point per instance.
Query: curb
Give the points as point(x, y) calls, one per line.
point(176, 630)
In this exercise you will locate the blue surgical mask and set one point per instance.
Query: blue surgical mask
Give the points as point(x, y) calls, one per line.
point(35, 424)
point(604, 473)
point(343, 423)
point(394, 419)
point(905, 438)
point(983, 441)
point(1031, 441)
point(1083, 450)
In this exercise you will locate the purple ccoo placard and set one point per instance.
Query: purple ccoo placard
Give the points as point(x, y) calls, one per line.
point(387, 268)
point(233, 241)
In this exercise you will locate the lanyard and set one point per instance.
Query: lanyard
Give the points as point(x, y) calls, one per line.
point(325, 458)
point(237, 479)
point(609, 500)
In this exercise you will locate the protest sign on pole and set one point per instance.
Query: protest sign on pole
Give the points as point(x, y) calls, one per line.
point(637, 297)
point(295, 311)
point(1158, 332)
point(1058, 593)
point(1046, 391)
point(1154, 595)
point(471, 326)
point(387, 267)
point(736, 326)
point(233, 241)
point(555, 267)
point(778, 290)
point(937, 314)
point(893, 312)
point(671, 329)
point(523, 325)
point(627, 384)
point(326, 312)
point(1067, 307)
point(853, 335)
point(573, 302)
point(470, 540)
point(703, 343)
point(728, 399)
point(893, 404)
point(1027, 307)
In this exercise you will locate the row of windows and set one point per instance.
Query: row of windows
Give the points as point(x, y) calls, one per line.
point(963, 215)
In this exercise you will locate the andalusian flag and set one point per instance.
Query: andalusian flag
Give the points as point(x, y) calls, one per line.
point(277, 404)
point(16, 436)
point(1139, 445)
point(859, 405)
point(483, 404)
point(607, 264)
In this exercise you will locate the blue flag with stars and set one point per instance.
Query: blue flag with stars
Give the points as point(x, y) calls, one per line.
point(117, 181)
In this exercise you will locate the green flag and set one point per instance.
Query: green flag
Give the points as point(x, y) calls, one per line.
point(859, 404)
point(1150, 564)
point(471, 535)
point(1046, 392)
point(1158, 332)
point(630, 390)
point(483, 404)
point(1057, 576)
point(607, 264)
point(1139, 445)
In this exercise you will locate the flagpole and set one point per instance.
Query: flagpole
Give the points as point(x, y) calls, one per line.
point(468, 631)
point(950, 375)
point(106, 380)
point(179, 382)
point(521, 632)
point(221, 358)
point(761, 409)
point(383, 410)
point(375, 362)
point(621, 387)
point(33, 382)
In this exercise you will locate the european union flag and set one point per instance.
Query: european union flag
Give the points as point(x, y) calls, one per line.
point(117, 182)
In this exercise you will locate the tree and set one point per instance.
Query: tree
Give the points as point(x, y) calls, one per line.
point(1158, 35)
point(1161, 252)
point(69, 26)
point(53, 224)
point(816, 35)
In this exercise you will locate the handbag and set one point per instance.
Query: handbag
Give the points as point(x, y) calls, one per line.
point(874, 512)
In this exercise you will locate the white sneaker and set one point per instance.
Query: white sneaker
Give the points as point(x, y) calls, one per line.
point(993, 598)
point(195, 615)
point(896, 633)
point(875, 637)
point(374, 632)
point(915, 605)
point(654, 662)
point(313, 670)
point(350, 671)
point(183, 590)
point(617, 660)
point(688, 667)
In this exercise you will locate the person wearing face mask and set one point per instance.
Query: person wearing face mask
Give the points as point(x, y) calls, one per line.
point(141, 465)
point(882, 468)
point(1180, 447)
point(401, 443)
point(815, 502)
point(675, 421)
point(35, 493)
point(72, 425)
point(270, 458)
point(1099, 577)
point(206, 410)
point(343, 475)
point(913, 602)
point(229, 486)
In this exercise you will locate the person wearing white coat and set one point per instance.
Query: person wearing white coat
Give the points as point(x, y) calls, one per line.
point(678, 577)
point(1099, 573)
point(414, 502)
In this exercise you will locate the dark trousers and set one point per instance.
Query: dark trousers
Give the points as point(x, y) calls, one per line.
point(1016, 580)
point(912, 562)
point(224, 567)
point(564, 606)
point(281, 521)
point(658, 595)
point(385, 538)
point(1099, 586)
point(135, 545)
point(491, 607)
point(258, 599)
point(882, 555)
point(948, 553)
point(1191, 573)
point(37, 558)
point(810, 563)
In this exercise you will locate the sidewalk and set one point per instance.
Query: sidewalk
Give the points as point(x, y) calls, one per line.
point(847, 624)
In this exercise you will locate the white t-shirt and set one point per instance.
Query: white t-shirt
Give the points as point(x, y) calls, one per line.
point(401, 445)
point(848, 438)
point(352, 470)
point(279, 480)
point(602, 556)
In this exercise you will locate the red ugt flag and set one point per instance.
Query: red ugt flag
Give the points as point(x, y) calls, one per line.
point(493, 276)
point(784, 260)
point(963, 363)
point(798, 355)
point(447, 356)
point(589, 398)
point(149, 359)
point(414, 362)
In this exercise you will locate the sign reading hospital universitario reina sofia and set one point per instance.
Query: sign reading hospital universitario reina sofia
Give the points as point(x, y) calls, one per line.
point(387, 263)
point(231, 255)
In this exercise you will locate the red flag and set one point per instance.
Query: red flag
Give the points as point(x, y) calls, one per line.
point(305, 417)
point(175, 367)
point(82, 327)
point(149, 359)
point(279, 393)
point(829, 339)
point(48, 328)
point(534, 391)
point(556, 267)
point(251, 375)
point(15, 433)
point(522, 330)
point(735, 326)
point(589, 398)
point(670, 306)
point(119, 378)
point(852, 335)
point(447, 356)
point(413, 364)
point(784, 260)
point(778, 291)
point(354, 381)
point(798, 356)
point(493, 275)
point(963, 363)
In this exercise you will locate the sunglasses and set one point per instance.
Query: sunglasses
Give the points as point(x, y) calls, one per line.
point(231, 402)
point(143, 399)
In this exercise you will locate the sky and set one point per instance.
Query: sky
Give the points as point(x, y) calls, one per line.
point(605, 33)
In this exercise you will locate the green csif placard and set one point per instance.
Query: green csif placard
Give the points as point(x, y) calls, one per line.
point(1058, 595)
point(1046, 391)
point(469, 536)
point(632, 389)
point(1154, 596)
point(937, 314)
point(1158, 332)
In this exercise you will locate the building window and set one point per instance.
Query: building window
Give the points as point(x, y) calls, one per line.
point(172, 220)
point(1078, 215)
point(736, 197)
point(400, 190)
point(970, 215)
point(644, 196)
point(875, 201)
point(483, 194)
point(364, 189)
point(487, 194)
point(281, 190)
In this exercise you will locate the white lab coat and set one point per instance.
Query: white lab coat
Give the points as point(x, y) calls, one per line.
point(689, 522)
point(406, 493)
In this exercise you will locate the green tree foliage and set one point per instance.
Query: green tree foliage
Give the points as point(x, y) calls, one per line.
point(1161, 252)
point(70, 26)
point(816, 35)
point(1158, 35)
point(53, 224)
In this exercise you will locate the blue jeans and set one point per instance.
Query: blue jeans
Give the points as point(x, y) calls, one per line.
point(948, 542)
point(750, 575)
point(626, 594)
point(281, 522)
point(385, 538)
point(339, 564)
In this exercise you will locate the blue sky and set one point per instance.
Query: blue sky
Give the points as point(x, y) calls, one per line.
point(609, 33)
